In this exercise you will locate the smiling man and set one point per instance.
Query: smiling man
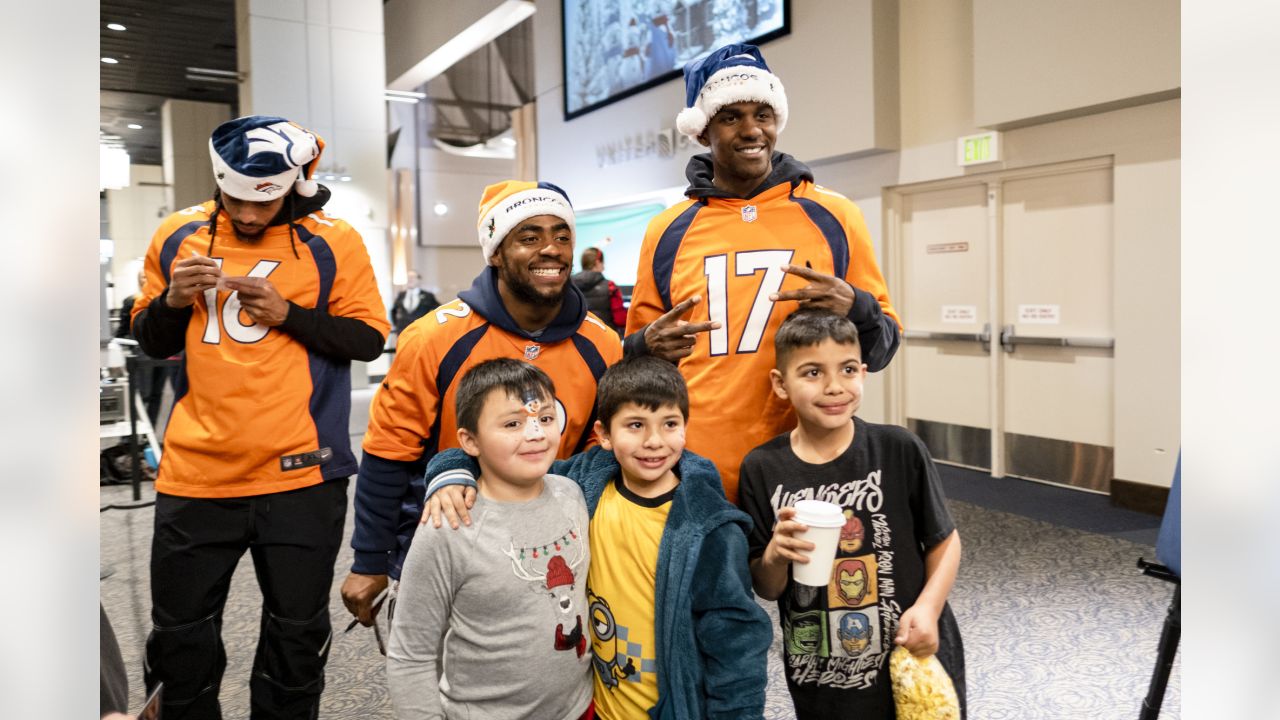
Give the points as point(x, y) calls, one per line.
point(522, 306)
point(755, 240)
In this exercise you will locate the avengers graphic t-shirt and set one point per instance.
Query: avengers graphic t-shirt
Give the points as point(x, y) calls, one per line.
point(836, 639)
point(626, 532)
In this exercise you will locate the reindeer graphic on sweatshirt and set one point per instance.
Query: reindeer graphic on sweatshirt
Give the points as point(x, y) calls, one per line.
point(558, 582)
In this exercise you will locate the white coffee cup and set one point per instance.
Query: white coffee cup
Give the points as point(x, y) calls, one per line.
point(825, 521)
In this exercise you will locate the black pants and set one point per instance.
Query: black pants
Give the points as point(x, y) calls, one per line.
point(294, 539)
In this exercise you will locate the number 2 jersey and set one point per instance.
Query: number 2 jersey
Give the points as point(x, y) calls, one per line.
point(729, 250)
point(256, 410)
point(413, 412)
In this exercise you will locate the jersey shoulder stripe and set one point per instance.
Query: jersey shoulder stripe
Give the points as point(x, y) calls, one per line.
point(169, 248)
point(596, 363)
point(832, 230)
point(326, 264)
point(602, 337)
point(448, 370)
point(664, 255)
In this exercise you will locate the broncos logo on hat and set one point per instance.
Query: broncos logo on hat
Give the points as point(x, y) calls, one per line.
point(275, 138)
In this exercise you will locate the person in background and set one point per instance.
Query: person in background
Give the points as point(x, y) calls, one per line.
point(412, 303)
point(271, 299)
point(756, 239)
point(152, 379)
point(604, 299)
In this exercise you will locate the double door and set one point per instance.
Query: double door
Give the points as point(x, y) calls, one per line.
point(1006, 295)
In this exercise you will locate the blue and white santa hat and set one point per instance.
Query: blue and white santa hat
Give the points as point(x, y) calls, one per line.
point(258, 157)
point(730, 74)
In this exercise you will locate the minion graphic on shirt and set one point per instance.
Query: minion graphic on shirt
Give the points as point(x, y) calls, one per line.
point(611, 669)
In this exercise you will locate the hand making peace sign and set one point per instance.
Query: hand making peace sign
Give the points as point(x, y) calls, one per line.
point(823, 291)
point(671, 338)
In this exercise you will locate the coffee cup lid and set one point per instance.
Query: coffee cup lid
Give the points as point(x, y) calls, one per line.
point(819, 513)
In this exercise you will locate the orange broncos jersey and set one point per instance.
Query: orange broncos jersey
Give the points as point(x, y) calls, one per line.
point(414, 410)
point(729, 251)
point(251, 399)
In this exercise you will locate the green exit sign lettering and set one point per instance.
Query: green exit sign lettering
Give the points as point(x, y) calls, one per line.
point(978, 149)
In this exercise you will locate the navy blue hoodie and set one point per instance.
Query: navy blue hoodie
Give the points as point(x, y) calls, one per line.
point(389, 492)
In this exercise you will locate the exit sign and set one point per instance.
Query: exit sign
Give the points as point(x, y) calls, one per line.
point(978, 149)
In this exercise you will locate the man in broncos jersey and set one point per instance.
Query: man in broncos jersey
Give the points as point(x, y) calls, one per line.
point(271, 299)
point(755, 240)
point(522, 306)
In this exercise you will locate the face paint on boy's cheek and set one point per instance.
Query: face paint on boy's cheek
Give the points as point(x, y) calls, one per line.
point(532, 428)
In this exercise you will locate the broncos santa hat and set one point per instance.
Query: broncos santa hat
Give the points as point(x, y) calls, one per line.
point(506, 204)
point(730, 74)
point(258, 157)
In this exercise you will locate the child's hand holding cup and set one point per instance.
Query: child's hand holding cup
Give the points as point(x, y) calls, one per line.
point(824, 521)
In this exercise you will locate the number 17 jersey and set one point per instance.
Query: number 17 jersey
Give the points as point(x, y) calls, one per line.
point(730, 252)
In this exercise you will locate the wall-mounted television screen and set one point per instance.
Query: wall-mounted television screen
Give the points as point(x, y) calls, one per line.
point(617, 48)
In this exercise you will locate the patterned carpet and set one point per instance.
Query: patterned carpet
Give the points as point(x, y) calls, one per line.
point(1058, 624)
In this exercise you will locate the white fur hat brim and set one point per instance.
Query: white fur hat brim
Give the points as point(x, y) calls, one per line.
point(739, 83)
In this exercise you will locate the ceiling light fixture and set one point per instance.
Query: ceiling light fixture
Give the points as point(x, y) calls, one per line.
point(117, 27)
point(212, 71)
point(483, 31)
point(134, 126)
point(213, 79)
point(441, 208)
point(393, 98)
point(225, 77)
point(110, 61)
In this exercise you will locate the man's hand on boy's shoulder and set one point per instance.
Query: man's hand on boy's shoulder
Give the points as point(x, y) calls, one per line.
point(452, 503)
point(918, 631)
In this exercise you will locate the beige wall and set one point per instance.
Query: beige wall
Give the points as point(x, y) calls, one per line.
point(187, 126)
point(133, 214)
point(448, 257)
point(1037, 59)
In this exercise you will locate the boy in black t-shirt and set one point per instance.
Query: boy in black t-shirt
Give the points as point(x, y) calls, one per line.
point(898, 551)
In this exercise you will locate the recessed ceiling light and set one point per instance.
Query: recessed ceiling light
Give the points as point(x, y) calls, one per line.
point(135, 126)
point(110, 61)
point(117, 27)
point(441, 208)
point(345, 178)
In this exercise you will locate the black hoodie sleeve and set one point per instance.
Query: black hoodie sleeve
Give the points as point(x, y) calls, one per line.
point(877, 332)
point(338, 337)
point(161, 330)
point(634, 343)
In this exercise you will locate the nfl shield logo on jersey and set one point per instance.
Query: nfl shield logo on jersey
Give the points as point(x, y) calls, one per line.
point(531, 352)
point(749, 213)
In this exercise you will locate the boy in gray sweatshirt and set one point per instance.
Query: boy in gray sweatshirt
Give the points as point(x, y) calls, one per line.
point(501, 603)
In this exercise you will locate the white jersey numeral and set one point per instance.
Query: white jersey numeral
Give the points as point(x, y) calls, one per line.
point(716, 268)
point(236, 328)
point(446, 312)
